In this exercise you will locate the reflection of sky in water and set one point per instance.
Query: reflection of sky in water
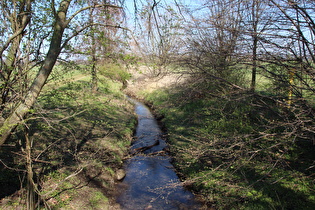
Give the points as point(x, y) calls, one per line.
point(151, 181)
point(148, 131)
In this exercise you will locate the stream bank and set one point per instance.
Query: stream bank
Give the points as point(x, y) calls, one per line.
point(151, 181)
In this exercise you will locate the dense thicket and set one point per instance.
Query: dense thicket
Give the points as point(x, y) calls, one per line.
point(232, 42)
point(241, 127)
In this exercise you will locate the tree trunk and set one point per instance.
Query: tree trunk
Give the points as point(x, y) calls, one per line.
point(94, 70)
point(94, 80)
point(255, 19)
point(24, 106)
point(18, 24)
point(254, 68)
point(94, 74)
point(30, 200)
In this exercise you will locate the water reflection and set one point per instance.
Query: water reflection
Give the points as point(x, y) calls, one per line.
point(151, 182)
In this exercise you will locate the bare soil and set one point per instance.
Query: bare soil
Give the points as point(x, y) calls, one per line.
point(143, 81)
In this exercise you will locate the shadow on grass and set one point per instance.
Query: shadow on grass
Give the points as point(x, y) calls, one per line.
point(215, 136)
point(279, 192)
point(10, 178)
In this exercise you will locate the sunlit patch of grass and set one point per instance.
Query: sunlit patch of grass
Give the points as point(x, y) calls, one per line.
point(57, 190)
point(96, 198)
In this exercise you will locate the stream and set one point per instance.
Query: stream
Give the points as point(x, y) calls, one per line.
point(151, 181)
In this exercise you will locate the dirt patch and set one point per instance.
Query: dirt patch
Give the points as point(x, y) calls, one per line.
point(143, 80)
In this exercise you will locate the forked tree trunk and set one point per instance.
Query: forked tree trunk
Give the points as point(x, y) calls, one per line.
point(23, 107)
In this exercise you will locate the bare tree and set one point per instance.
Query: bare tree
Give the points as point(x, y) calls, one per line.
point(57, 42)
point(288, 45)
point(16, 16)
point(255, 8)
point(102, 40)
point(214, 39)
point(160, 35)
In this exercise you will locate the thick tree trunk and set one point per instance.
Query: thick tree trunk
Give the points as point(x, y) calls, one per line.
point(24, 106)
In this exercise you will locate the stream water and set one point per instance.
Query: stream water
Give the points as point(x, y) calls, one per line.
point(151, 181)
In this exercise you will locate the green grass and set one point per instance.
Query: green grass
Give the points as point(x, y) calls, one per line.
point(96, 198)
point(73, 130)
point(234, 149)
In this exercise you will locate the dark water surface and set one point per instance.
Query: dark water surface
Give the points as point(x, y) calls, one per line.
point(151, 182)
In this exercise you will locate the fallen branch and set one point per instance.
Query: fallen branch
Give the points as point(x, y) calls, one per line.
point(142, 149)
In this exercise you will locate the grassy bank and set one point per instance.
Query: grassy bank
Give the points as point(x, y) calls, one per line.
point(236, 149)
point(79, 141)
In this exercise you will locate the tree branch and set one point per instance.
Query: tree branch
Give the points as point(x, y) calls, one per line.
point(89, 7)
point(87, 26)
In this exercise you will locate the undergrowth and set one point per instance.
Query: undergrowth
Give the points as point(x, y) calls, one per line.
point(79, 141)
point(240, 150)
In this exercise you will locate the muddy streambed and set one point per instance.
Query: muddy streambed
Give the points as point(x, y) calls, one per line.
point(151, 181)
